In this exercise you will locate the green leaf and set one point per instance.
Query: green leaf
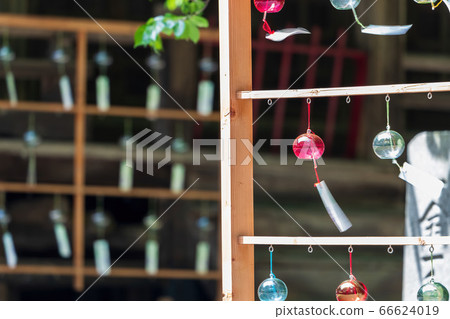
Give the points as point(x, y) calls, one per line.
point(200, 22)
point(139, 36)
point(173, 4)
point(193, 32)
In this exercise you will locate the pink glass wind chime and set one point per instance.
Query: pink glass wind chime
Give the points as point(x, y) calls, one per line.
point(274, 6)
point(309, 146)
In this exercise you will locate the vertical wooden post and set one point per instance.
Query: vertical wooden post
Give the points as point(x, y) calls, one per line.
point(236, 124)
point(79, 164)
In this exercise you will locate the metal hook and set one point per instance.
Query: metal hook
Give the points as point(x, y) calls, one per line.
point(308, 100)
point(348, 99)
point(430, 95)
point(350, 249)
point(310, 249)
point(270, 248)
point(431, 249)
point(388, 98)
point(269, 102)
point(390, 250)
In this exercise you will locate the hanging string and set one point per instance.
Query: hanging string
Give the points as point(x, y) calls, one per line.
point(350, 251)
point(266, 26)
point(315, 170)
point(388, 99)
point(271, 252)
point(309, 115)
point(431, 260)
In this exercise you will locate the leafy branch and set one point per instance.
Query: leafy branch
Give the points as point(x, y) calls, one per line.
point(184, 26)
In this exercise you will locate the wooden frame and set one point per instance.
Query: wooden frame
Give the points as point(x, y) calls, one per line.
point(236, 124)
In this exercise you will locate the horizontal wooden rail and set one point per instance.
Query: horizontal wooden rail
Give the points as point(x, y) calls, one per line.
point(345, 241)
point(64, 189)
point(57, 24)
point(347, 91)
point(108, 191)
point(167, 114)
point(117, 111)
point(50, 270)
point(161, 193)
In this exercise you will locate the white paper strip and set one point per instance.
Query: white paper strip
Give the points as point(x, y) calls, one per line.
point(205, 99)
point(153, 97)
point(62, 239)
point(177, 178)
point(125, 177)
point(202, 257)
point(10, 250)
point(103, 93)
point(151, 257)
point(66, 92)
point(426, 182)
point(11, 86)
point(102, 257)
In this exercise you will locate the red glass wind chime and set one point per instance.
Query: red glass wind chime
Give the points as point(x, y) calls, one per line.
point(274, 6)
point(309, 146)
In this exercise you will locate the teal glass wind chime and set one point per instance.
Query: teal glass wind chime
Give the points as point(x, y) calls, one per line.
point(8, 242)
point(61, 57)
point(432, 291)
point(101, 223)
point(60, 220)
point(7, 56)
point(103, 60)
point(272, 288)
point(153, 225)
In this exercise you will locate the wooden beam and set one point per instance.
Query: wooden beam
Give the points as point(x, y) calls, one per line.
point(141, 112)
point(347, 91)
point(161, 193)
point(37, 188)
point(39, 107)
point(78, 163)
point(162, 273)
point(236, 124)
point(345, 241)
point(58, 24)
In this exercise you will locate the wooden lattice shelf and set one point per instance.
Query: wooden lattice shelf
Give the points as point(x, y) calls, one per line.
point(86, 30)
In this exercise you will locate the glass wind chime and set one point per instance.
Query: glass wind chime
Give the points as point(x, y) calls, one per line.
point(388, 144)
point(125, 171)
point(32, 140)
point(203, 249)
point(101, 246)
point(351, 289)
point(178, 172)
point(7, 56)
point(272, 288)
point(156, 64)
point(61, 58)
point(432, 291)
point(309, 146)
point(434, 3)
point(274, 6)
point(103, 60)
point(59, 219)
point(8, 242)
point(370, 29)
point(205, 95)
point(153, 225)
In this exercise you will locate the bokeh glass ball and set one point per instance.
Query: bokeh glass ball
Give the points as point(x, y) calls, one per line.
point(425, 1)
point(388, 145)
point(345, 4)
point(432, 291)
point(272, 289)
point(308, 146)
point(351, 290)
point(269, 6)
